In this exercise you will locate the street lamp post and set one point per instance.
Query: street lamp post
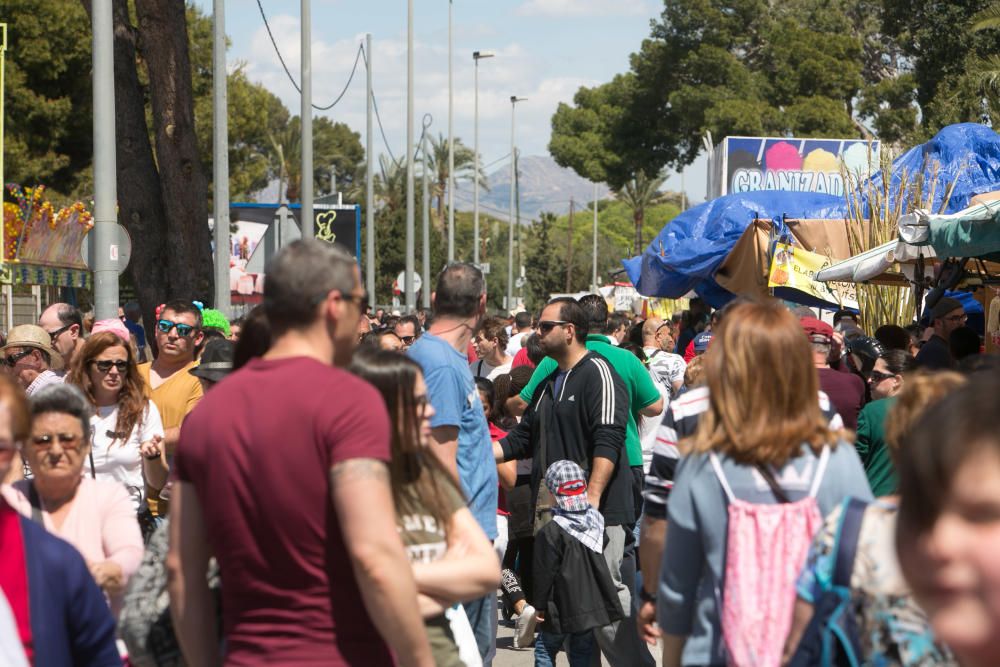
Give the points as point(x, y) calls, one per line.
point(476, 57)
point(451, 148)
point(408, 291)
point(306, 189)
point(514, 99)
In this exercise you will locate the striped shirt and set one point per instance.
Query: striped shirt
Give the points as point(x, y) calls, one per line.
point(44, 379)
point(679, 422)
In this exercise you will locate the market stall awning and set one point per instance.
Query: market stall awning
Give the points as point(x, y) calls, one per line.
point(972, 232)
point(887, 263)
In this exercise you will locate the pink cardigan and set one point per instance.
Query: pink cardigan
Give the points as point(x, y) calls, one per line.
point(101, 524)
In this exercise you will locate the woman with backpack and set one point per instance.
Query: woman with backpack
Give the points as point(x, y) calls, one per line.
point(750, 492)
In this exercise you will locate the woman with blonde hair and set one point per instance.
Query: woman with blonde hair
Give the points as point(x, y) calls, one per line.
point(764, 458)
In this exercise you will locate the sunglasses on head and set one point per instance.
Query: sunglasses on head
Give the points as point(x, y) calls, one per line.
point(11, 360)
point(183, 330)
point(104, 365)
point(546, 326)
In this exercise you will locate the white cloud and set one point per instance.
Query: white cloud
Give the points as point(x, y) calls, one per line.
point(514, 71)
point(577, 8)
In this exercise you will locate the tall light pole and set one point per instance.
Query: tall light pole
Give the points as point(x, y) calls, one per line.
point(220, 159)
point(593, 277)
point(451, 148)
point(476, 57)
point(514, 99)
point(306, 189)
point(370, 184)
point(409, 292)
point(425, 227)
point(105, 186)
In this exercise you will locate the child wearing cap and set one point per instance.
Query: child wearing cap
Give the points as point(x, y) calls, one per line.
point(574, 592)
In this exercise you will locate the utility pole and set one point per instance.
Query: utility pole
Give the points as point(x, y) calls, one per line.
point(426, 223)
point(105, 187)
point(514, 99)
point(569, 246)
point(593, 277)
point(370, 184)
point(476, 57)
point(408, 291)
point(220, 159)
point(451, 148)
point(307, 221)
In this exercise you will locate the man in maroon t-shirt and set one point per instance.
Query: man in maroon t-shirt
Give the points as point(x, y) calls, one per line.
point(846, 390)
point(281, 475)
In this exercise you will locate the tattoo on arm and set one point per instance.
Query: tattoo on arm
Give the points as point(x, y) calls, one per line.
point(359, 469)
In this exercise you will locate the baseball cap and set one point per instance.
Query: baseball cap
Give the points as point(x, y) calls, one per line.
point(945, 305)
point(701, 341)
point(818, 331)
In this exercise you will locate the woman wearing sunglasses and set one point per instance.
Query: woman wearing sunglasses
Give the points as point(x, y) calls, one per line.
point(452, 559)
point(127, 433)
point(95, 516)
point(885, 382)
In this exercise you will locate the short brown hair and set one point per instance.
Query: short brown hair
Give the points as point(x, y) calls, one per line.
point(920, 391)
point(695, 372)
point(13, 396)
point(494, 327)
point(763, 388)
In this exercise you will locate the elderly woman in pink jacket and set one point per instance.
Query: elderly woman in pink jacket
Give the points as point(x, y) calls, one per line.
point(95, 516)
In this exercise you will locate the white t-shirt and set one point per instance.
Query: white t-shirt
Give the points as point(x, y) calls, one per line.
point(121, 461)
point(483, 369)
point(514, 344)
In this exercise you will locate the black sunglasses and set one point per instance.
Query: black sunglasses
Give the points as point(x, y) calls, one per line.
point(546, 326)
point(104, 365)
point(11, 360)
point(55, 334)
point(878, 376)
point(407, 340)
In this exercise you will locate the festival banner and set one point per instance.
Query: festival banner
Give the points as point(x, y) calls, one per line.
point(792, 276)
point(749, 164)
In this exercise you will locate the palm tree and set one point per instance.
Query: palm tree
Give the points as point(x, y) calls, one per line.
point(286, 146)
point(640, 193)
point(985, 70)
point(390, 184)
point(437, 164)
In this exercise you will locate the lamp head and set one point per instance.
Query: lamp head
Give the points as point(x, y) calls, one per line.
point(479, 55)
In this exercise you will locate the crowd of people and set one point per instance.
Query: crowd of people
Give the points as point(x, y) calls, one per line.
point(321, 483)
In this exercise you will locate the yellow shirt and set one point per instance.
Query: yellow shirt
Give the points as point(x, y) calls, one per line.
point(174, 398)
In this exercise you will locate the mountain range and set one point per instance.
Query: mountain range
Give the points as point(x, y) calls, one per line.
point(544, 185)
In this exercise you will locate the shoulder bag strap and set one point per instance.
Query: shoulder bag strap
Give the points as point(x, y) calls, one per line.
point(776, 489)
point(847, 541)
point(36, 505)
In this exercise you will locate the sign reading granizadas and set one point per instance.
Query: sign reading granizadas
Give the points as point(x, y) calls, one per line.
point(749, 164)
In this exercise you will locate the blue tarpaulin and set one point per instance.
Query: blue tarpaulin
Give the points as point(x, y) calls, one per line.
point(688, 251)
point(690, 248)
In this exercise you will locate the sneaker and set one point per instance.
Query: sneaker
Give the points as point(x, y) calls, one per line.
point(524, 628)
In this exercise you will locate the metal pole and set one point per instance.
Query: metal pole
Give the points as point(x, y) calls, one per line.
point(475, 169)
point(411, 297)
point(451, 147)
point(370, 184)
point(220, 159)
point(510, 218)
point(105, 187)
point(593, 277)
point(426, 226)
point(306, 188)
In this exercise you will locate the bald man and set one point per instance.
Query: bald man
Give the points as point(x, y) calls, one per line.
point(64, 324)
point(658, 344)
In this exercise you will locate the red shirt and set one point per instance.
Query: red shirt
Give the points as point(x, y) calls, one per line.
point(258, 449)
point(14, 574)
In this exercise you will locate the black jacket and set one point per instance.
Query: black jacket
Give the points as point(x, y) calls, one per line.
point(573, 586)
point(586, 420)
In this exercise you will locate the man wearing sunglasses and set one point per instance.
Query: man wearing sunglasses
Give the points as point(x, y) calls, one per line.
point(30, 359)
point(64, 324)
point(174, 391)
point(408, 330)
point(946, 316)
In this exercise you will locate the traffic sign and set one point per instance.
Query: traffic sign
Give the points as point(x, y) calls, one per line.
point(401, 282)
point(119, 252)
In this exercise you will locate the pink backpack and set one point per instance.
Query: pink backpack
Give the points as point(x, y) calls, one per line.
point(766, 548)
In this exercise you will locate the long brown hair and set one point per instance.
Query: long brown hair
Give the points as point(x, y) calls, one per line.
point(763, 388)
point(133, 397)
point(395, 377)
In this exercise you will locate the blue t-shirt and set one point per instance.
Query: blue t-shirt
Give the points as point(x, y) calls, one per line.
point(452, 392)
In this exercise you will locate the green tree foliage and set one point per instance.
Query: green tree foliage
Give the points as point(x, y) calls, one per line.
point(48, 96)
point(543, 271)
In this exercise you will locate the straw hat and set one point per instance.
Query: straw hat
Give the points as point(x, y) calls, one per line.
point(30, 335)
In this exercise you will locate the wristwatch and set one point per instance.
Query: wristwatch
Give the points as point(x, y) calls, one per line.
point(646, 597)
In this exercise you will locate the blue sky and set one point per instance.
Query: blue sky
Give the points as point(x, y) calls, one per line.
point(545, 50)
